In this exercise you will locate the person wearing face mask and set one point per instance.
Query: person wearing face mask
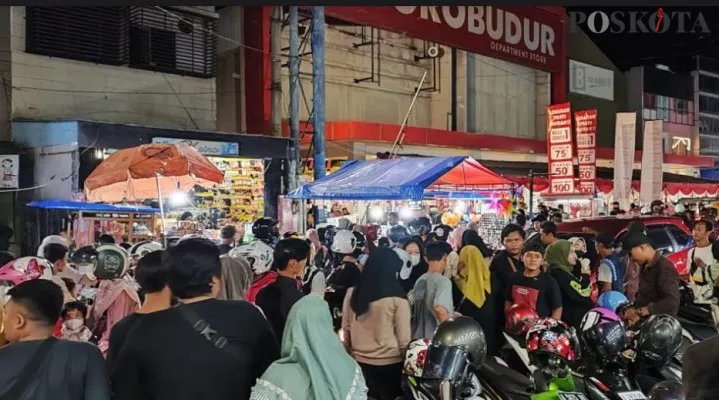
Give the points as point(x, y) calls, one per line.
point(73, 322)
point(431, 298)
point(37, 366)
point(580, 249)
point(408, 276)
point(56, 253)
point(576, 290)
point(165, 357)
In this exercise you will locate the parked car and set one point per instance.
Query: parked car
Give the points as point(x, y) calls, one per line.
point(670, 235)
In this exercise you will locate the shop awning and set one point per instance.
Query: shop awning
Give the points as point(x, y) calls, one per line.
point(402, 179)
point(93, 207)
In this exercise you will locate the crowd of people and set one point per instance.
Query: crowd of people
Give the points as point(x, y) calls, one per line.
point(270, 319)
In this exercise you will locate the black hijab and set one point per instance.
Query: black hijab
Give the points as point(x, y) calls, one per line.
point(472, 238)
point(377, 280)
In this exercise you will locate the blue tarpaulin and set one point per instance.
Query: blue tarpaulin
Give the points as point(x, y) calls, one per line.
point(92, 207)
point(401, 179)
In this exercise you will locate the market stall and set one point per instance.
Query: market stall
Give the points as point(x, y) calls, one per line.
point(83, 223)
point(414, 186)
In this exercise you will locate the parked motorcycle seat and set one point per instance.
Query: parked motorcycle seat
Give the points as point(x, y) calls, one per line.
point(505, 380)
point(697, 330)
point(698, 313)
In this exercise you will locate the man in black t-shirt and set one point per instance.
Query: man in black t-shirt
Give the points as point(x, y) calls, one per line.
point(202, 349)
point(534, 288)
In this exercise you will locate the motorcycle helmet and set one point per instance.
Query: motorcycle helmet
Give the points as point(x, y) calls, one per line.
point(466, 332)
point(344, 242)
point(551, 345)
point(360, 242)
point(139, 249)
point(265, 229)
point(519, 319)
point(330, 232)
point(659, 338)
point(84, 255)
point(112, 262)
point(20, 270)
point(667, 390)
point(259, 255)
point(419, 226)
point(415, 357)
point(597, 316)
point(441, 232)
point(372, 231)
point(397, 233)
point(605, 341)
point(611, 300)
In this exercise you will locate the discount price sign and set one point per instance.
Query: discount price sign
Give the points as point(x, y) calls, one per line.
point(560, 151)
point(585, 124)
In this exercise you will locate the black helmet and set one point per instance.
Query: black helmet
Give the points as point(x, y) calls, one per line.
point(84, 255)
point(359, 244)
point(667, 390)
point(330, 232)
point(686, 294)
point(463, 331)
point(605, 341)
point(420, 226)
point(397, 233)
point(660, 336)
point(441, 232)
point(265, 229)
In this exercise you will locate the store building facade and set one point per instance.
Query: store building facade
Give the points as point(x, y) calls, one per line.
point(121, 77)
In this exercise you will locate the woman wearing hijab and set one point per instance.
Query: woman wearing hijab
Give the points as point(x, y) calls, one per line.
point(471, 291)
point(576, 290)
point(471, 238)
point(408, 275)
point(313, 364)
point(376, 324)
point(236, 278)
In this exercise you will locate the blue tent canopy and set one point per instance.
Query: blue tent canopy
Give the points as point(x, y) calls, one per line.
point(401, 179)
point(91, 207)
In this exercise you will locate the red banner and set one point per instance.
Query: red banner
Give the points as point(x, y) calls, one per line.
point(522, 35)
point(560, 151)
point(585, 124)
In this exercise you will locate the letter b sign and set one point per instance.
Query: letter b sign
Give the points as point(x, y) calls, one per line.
point(578, 84)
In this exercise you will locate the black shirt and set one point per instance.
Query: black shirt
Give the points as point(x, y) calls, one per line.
point(164, 358)
point(224, 248)
point(118, 334)
point(540, 293)
point(71, 371)
point(276, 299)
point(576, 295)
point(502, 267)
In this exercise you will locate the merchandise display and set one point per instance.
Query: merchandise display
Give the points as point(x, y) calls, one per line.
point(240, 198)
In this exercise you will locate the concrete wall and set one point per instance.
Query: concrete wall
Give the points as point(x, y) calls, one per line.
point(503, 98)
point(55, 88)
point(582, 49)
point(5, 74)
point(230, 71)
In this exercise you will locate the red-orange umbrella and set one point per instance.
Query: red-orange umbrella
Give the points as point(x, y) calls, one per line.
point(150, 171)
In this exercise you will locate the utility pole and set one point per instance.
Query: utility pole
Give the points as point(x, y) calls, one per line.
point(276, 50)
point(294, 64)
point(318, 89)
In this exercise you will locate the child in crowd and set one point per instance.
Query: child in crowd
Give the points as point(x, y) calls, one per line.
point(73, 322)
point(533, 287)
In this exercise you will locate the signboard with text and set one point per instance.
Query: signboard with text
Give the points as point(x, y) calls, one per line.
point(624, 144)
point(560, 152)
point(652, 162)
point(585, 125)
point(204, 147)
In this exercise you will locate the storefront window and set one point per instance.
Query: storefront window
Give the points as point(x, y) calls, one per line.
point(669, 109)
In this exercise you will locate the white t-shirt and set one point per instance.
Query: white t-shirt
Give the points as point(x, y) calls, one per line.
point(704, 254)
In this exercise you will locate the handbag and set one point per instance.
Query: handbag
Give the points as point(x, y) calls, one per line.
point(24, 379)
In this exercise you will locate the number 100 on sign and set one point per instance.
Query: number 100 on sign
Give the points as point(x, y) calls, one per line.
point(562, 186)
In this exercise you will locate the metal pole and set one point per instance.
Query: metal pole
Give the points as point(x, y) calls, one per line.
point(294, 64)
point(318, 89)
point(531, 194)
point(162, 211)
point(276, 50)
point(400, 135)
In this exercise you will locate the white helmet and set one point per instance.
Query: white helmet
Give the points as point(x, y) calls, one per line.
point(406, 269)
point(415, 357)
point(141, 248)
point(258, 254)
point(344, 242)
